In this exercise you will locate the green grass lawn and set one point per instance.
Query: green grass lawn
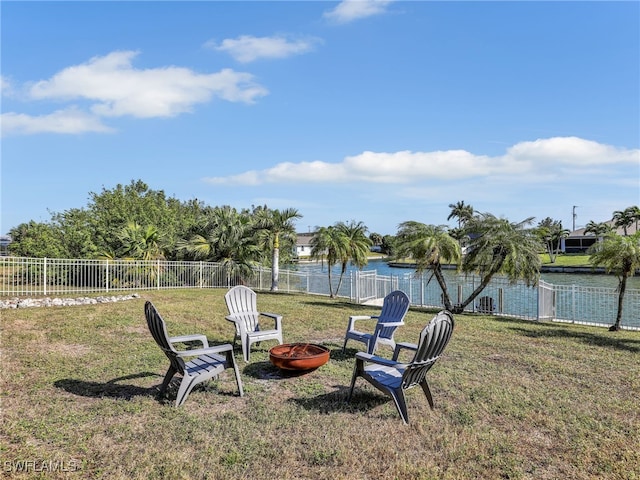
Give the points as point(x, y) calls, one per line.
point(567, 260)
point(514, 399)
point(563, 260)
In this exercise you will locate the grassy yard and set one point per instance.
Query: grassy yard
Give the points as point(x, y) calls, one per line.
point(564, 260)
point(514, 399)
point(567, 260)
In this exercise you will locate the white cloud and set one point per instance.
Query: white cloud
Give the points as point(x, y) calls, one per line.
point(571, 151)
point(68, 121)
point(350, 10)
point(540, 161)
point(247, 49)
point(5, 86)
point(119, 89)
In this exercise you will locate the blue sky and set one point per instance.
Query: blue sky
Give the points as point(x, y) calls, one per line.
point(374, 111)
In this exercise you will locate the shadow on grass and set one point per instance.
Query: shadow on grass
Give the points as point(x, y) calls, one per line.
point(110, 389)
point(608, 340)
point(267, 371)
point(339, 304)
point(336, 401)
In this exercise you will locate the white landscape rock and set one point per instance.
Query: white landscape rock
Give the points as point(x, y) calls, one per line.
point(62, 302)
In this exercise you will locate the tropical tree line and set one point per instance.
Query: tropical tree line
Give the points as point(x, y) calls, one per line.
point(135, 222)
point(496, 246)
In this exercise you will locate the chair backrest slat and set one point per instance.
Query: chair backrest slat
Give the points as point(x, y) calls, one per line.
point(158, 330)
point(394, 307)
point(243, 302)
point(433, 340)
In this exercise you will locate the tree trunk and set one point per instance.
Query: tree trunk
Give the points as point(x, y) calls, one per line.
point(342, 270)
point(437, 271)
point(483, 284)
point(623, 286)
point(275, 263)
point(331, 295)
point(275, 269)
point(552, 257)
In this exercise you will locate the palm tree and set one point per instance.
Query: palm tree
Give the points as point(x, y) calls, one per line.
point(551, 233)
point(274, 227)
point(462, 212)
point(141, 243)
point(621, 255)
point(225, 238)
point(376, 239)
point(429, 246)
point(635, 214)
point(623, 218)
point(357, 248)
point(329, 244)
point(597, 228)
point(499, 246)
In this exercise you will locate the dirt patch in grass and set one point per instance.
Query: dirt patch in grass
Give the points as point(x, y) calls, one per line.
point(66, 349)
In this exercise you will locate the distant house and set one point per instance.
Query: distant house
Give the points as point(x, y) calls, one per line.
point(303, 245)
point(579, 242)
point(5, 240)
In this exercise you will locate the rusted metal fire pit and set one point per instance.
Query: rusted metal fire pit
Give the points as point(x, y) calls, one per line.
point(298, 356)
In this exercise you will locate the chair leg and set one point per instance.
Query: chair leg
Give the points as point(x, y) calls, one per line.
point(344, 347)
point(185, 388)
point(357, 369)
point(427, 392)
point(246, 349)
point(401, 404)
point(231, 361)
point(167, 378)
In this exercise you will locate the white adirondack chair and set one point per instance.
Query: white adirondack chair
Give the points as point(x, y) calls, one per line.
point(394, 308)
point(392, 377)
point(242, 304)
point(208, 363)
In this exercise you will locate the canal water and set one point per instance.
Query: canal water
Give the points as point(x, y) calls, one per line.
point(590, 303)
point(580, 279)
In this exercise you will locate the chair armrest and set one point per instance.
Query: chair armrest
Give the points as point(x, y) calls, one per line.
point(205, 351)
point(400, 346)
point(354, 318)
point(190, 338)
point(366, 357)
point(391, 324)
point(277, 319)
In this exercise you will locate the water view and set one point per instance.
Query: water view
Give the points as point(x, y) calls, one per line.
point(581, 298)
point(585, 280)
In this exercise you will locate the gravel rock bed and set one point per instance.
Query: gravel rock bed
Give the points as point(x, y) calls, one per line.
point(63, 302)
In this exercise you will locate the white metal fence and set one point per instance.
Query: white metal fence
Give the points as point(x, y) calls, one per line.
point(24, 277)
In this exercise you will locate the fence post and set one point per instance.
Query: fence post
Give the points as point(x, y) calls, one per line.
point(44, 276)
point(355, 296)
point(106, 276)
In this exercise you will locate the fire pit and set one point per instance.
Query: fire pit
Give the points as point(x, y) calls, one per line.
point(298, 356)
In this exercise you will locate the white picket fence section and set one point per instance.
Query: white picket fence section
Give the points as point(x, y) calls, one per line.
point(29, 277)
